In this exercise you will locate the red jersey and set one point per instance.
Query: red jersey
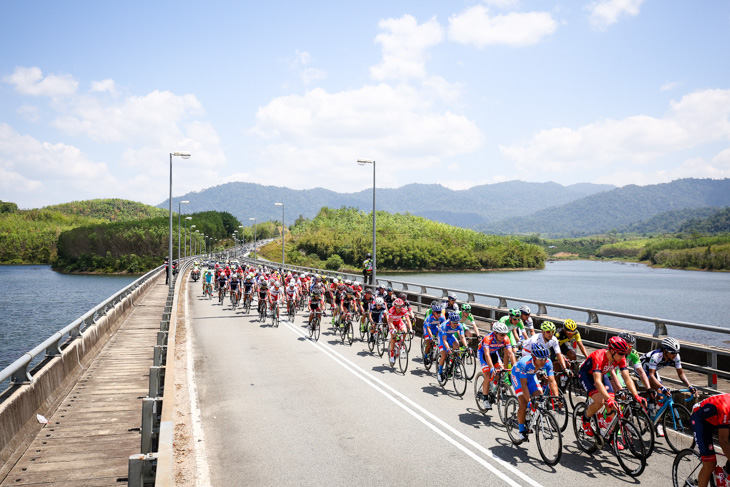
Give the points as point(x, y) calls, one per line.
point(722, 404)
point(398, 315)
point(598, 362)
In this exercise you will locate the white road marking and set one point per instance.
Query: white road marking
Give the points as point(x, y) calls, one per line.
point(380, 386)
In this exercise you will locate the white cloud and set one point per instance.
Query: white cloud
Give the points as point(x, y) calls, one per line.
point(696, 119)
point(722, 159)
point(30, 81)
point(606, 12)
point(669, 86)
point(308, 75)
point(29, 112)
point(501, 3)
point(104, 86)
point(404, 45)
point(696, 167)
point(474, 26)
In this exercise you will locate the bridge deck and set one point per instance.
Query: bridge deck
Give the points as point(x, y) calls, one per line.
point(96, 428)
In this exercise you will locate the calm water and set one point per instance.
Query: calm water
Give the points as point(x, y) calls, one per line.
point(700, 297)
point(24, 323)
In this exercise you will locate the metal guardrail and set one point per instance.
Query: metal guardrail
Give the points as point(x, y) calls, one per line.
point(18, 371)
point(711, 354)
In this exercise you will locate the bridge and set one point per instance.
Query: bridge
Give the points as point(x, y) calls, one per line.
point(154, 388)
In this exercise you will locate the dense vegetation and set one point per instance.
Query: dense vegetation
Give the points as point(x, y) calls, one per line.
point(341, 238)
point(30, 236)
point(133, 246)
point(668, 222)
point(617, 209)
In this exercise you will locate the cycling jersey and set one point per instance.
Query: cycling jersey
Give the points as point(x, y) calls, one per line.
point(234, 284)
point(377, 313)
point(563, 337)
point(707, 417)
point(431, 325)
point(398, 315)
point(208, 277)
point(551, 344)
point(449, 335)
point(222, 280)
point(517, 329)
point(274, 293)
point(598, 362)
point(490, 344)
point(247, 285)
point(263, 289)
point(466, 318)
point(528, 324)
point(525, 369)
point(654, 360)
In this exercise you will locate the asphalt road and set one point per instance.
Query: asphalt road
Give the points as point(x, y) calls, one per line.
point(280, 409)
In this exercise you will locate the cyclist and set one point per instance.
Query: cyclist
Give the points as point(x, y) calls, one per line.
point(524, 380)
point(376, 314)
point(390, 297)
point(222, 284)
point(710, 417)
point(248, 285)
point(449, 334)
point(489, 357)
point(634, 361)
point(407, 304)
point(396, 316)
point(292, 294)
point(431, 325)
point(262, 288)
point(274, 294)
point(467, 319)
point(593, 372)
point(450, 305)
point(234, 285)
point(655, 360)
point(316, 301)
point(347, 304)
point(548, 340)
point(365, 302)
point(208, 280)
point(514, 325)
point(526, 320)
point(569, 334)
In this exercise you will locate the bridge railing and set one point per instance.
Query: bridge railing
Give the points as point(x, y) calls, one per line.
point(19, 371)
point(712, 361)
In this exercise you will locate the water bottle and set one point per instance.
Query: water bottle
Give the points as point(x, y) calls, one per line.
point(563, 380)
point(720, 476)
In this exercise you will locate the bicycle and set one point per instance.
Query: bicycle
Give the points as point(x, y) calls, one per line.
point(539, 420)
point(275, 314)
point(291, 310)
point(401, 351)
point(208, 291)
point(247, 303)
point(470, 363)
point(347, 333)
point(381, 338)
point(262, 310)
point(559, 409)
point(432, 356)
point(675, 419)
point(314, 326)
point(234, 299)
point(638, 415)
point(454, 370)
point(221, 295)
point(570, 385)
point(620, 432)
point(500, 390)
point(686, 468)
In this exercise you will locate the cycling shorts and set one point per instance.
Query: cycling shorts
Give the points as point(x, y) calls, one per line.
point(496, 359)
point(398, 325)
point(704, 431)
point(586, 380)
point(434, 329)
point(450, 339)
point(532, 384)
point(314, 305)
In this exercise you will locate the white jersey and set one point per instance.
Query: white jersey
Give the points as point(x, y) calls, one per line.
point(538, 338)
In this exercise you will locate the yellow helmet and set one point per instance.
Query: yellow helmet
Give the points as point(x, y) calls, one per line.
point(570, 325)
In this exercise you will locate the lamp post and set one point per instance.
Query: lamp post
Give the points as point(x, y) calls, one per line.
point(282, 233)
point(254, 238)
point(189, 243)
point(179, 205)
point(362, 162)
point(235, 244)
point(184, 155)
point(194, 247)
point(185, 245)
point(243, 238)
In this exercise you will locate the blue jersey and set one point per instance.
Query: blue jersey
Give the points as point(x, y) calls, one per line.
point(449, 335)
point(433, 324)
point(526, 369)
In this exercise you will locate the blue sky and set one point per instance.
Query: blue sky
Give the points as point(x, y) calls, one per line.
point(95, 95)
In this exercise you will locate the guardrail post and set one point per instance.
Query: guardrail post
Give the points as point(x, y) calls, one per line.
point(162, 338)
point(157, 381)
point(164, 325)
point(470, 298)
point(142, 469)
point(21, 376)
point(151, 409)
point(541, 310)
point(592, 318)
point(160, 355)
point(502, 303)
point(54, 349)
point(660, 329)
point(711, 376)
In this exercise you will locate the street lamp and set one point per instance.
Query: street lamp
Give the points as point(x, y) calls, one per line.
point(184, 155)
point(185, 245)
point(362, 162)
point(254, 238)
point(197, 239)
point(188, 246)
point(179, 204)
point(235, 244)
point(282, 234)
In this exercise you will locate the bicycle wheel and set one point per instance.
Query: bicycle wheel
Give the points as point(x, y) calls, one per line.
point(558, 407)
point(310, 328)
point(317, 323)
point(402, 351)
point(273, 317)
point(585, 442)
point(380, 343)
point(632, 457)
point(549, 439)
point(576, 394)
point(478, 381)
point(678, 428)
point(349, 332)
point(458, 378)
point(686, 468)
point(408, 341)
point(363, 330)
point(372, 337)
point(504, 392)
point(470, 363)
point(645, 428)
point(445, 376)
point(511, 423)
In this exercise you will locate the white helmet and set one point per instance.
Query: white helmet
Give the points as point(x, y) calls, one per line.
point(670, 345)
point(355, 284)
point(500, 328)
point(334, 280)
point(348, 282)
point(379, 301)
point(276, 284)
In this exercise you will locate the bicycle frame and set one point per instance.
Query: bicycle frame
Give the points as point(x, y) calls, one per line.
point(668, 403)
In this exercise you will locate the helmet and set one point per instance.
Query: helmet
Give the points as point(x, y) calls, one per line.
point(525, 309)
point(355, 283)
point(379, 301)
point(670, 345)
point(436, 307)
point(398, 302)
point(276, 284)
point(454, 317)
point(500, 328)
point(466, 307)
point(390, 289)
point(539, 351)
point(334, 280)
point(348, 282)
point(628, 337)
point(548, 326)
point(350, 291)
point(367, 290)
point(618, 344)
point(571, 325)
point(514, 313)
point(341, 287)
point(451, 296)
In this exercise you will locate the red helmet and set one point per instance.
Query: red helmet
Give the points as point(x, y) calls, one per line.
point(398, 302)
point(618, 344)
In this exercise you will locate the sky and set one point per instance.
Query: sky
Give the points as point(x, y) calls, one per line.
point(94, 96)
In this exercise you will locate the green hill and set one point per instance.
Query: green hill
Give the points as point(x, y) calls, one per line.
point(465, 208)
point(668, 221)
point(717, 223)
point(341, 238)
point(111, 210)
point(603, 212)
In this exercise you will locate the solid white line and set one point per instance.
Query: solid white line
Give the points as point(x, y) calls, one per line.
point(363, 375)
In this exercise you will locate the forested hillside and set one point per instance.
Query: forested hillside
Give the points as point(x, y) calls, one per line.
point(341, 238)
point(465, 208)
point(668, 221)
point(617, 208)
